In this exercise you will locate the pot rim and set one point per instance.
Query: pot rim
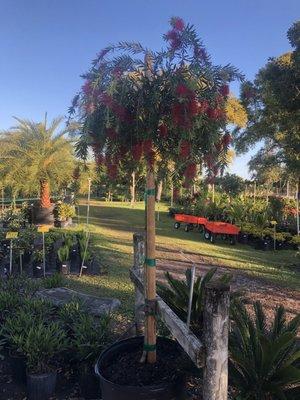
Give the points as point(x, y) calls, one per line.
point(41, 375)
point(130, 387)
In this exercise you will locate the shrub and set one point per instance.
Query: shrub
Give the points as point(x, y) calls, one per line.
point(53, 281)
point(177, 295)
point(63, 253)
point(63, 211)
point(90, 337)
point(40, 344)
point(264, 360)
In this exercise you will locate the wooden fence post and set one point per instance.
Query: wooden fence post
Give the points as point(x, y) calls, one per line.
point(138, 265)
point(215, 335)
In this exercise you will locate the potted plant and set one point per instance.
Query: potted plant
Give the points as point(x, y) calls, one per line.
point(64, 257)
point(40, 344)
point(90, 336)
point(173, 109)
point(63, 214)
point(14, 326)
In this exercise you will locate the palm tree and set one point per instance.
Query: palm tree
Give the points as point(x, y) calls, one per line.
point(35, 157)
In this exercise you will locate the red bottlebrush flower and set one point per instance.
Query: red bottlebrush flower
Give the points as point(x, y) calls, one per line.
point(215, 170)
point(189, 174)
point(111, 133)
point(89, 108)
point(99, 159)
point(183, 91)
point(200, 52)
point(163, 130)
point(193, 107)
point(224, 90)
point(219, 146)
point(87, 87)
point(212, 113)
point(185, 149)
point(137, 151)
point(178, 23)
point(203, 106)
point(177, 113)
point(172, 35)
point(226, 140)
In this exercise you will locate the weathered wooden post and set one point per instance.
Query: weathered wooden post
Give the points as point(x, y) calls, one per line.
point(138, 266)
point(215, 335)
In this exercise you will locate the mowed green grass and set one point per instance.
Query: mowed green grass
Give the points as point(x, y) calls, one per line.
point(113, 224)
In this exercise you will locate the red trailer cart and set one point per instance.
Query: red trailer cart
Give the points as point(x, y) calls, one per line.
point(226, 230)
point(191, 221)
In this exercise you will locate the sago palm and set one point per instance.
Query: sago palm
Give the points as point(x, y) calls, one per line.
point(34, 157)
point(264, 358)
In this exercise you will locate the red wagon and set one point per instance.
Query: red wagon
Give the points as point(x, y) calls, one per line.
point(191, 221)
point(215, 228)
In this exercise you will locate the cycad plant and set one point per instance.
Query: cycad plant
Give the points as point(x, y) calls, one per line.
point(264, 359)
point(176, 295)
point(34, 157)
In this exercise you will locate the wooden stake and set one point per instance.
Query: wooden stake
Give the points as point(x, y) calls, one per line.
point(150, 267)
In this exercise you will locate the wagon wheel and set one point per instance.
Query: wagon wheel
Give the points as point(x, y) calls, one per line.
point(200, 228)
point(187, 228)
point(177, 225)
point(206, 235)
point(233, 240)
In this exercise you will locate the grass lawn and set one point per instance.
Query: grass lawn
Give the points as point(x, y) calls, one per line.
point(112, 226)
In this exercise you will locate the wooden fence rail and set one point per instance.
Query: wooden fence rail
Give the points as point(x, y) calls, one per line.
point(212, 354)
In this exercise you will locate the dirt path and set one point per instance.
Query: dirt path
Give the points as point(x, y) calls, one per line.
point(270, 294)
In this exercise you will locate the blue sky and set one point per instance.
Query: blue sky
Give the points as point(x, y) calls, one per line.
point(46, 44)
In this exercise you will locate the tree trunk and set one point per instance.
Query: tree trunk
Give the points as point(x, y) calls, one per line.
point(45, 194)
point(132, 189)
point(150, 273)
point(159, 190)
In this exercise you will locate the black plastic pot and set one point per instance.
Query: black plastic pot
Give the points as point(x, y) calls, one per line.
point(37, 271)
point(89, 384)
point(112, 391)
point(18, 368)
point(41, 387)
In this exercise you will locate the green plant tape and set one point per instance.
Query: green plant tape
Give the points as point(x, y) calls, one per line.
point(149, 347)
point(150, 192)
point(150, 262)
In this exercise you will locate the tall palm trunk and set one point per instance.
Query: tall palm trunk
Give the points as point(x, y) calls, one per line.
point(45, 194)
point(132, 189)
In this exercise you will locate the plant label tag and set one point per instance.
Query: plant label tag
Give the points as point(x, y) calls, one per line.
point(11, 235)
point(43, 229)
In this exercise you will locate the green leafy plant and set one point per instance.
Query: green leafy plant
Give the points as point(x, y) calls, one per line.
point(10, 301)
point(38, 256)
point(71, 312)
point(90, 336)
point(40, 344)
point(264, 360)
point(63, 211)
point(53, 281)
point(177, 295)
point(39, 308)
point(64, 253)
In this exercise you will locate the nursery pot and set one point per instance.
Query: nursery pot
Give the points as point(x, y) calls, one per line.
point(88, 383)
point(173, 390)
point(65, 268)
point(18, 368)
point(41, 387)
point(37, 271)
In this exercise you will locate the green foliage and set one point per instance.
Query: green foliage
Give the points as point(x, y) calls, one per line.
point(63, 211)
point(90, 337)
point(53, 281)
point(10, 301)
point(71, 312)
point(176, 295)
point(231, 184)
point(63, 253)
point(34, 152)
point(40, 344)
point(272, 104)
point(264, 360)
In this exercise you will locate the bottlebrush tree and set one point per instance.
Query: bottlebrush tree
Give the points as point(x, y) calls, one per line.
point(166, 105)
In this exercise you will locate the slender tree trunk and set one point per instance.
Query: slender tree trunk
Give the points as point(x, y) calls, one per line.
point(45, 194)
point(150, 337)
point(159, 190)
point(132, 189)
